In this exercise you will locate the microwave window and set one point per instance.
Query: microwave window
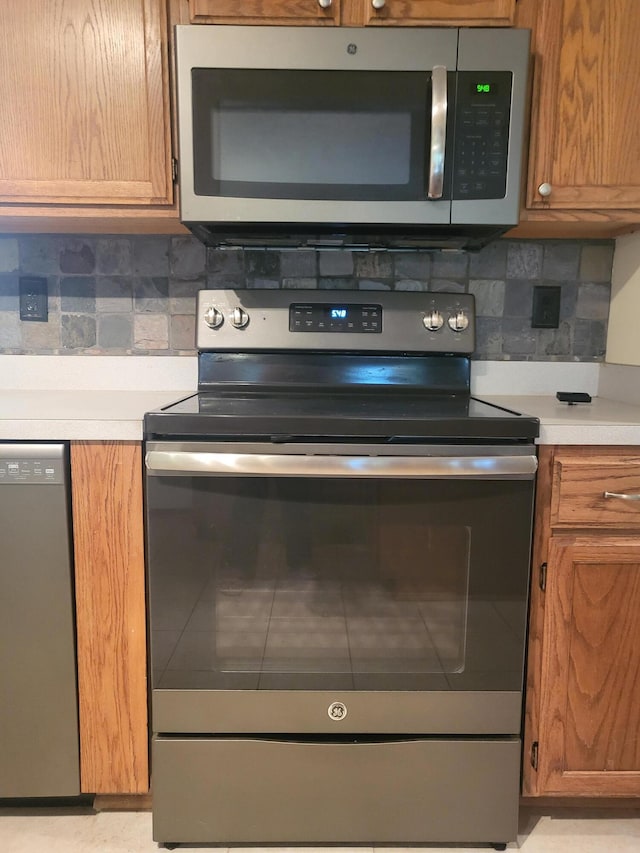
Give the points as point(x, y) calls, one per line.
point(305, 146)
point(361, 135)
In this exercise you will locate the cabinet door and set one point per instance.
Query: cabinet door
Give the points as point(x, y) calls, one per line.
point(85, 102)
point(106, 479)
point(283, 12)
point(589, 730)
point(442, 13)
point(585, 138)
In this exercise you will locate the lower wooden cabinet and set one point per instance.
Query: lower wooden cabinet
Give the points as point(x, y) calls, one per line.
point(582, 728)
point(106, 480)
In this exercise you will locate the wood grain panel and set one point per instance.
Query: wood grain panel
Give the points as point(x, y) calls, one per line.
point(85, 94)
point(464, 13)
point(604, 677)
point(590, 689)
point(579, 487)
point(541, 534)
point(111, 624)
point(586, 131)
point(282, 12)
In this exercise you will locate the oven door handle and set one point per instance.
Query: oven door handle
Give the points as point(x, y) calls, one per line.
point(176, 463)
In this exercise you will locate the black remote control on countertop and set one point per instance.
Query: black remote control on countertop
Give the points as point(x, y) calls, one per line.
point(573, 397)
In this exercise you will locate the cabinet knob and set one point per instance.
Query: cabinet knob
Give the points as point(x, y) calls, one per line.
point(545, 190)
point(378, 4)
point(324, 4)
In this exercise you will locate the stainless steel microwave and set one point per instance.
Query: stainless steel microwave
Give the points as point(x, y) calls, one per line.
point(341, 137)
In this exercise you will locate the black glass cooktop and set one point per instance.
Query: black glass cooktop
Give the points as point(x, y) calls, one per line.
point(324, 396)
point(328, 414)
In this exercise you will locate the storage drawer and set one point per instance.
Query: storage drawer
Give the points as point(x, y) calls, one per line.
point(596, 491)
point(234, 790)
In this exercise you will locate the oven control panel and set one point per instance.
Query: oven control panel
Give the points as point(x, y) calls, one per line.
point(389, 321)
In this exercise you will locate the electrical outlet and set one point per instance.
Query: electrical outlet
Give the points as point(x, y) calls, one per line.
point(33, 298)
point(546, 307)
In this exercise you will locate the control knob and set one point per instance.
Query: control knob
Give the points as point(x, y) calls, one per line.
point(213, 318)
point(239, 318)
point(433, 320)
point(458, 322)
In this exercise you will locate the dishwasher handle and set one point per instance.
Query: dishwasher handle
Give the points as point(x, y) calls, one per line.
point(179, 463)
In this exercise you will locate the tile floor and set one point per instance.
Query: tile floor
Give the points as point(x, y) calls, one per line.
point(50, 831)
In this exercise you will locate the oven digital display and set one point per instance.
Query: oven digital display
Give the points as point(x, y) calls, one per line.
point(335, 317)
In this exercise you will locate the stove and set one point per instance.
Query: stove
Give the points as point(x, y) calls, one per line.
point(338, 540)
point(273, 365)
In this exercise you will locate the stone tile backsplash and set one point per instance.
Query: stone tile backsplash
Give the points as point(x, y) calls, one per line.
point(136, 295)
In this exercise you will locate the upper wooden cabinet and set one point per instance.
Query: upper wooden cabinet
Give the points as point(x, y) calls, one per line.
point(85, 102)
point(585, 134)
point(355, 13)
point(582, 722)
point(280, 12)
point(430, 13)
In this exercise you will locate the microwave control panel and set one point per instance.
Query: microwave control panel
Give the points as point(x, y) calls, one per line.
point(483, 106)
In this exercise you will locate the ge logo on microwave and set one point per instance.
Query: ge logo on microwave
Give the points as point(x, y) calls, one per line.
point(337, 711)
point(352, 48)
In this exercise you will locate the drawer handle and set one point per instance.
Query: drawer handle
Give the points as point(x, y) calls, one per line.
point(622, 497)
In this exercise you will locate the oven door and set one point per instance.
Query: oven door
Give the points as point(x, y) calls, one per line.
point(320, 588)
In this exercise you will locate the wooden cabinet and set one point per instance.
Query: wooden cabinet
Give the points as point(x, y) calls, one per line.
point(356, 13)
point(582, 723)
point(584, 154)
point(279, 12)
point(430, 13)
point(86, 119)
point(106, 479)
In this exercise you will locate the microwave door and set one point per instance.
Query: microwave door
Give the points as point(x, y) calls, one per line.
point(320, 146)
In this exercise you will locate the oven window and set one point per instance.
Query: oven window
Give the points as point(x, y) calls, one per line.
point(275, 582)
point(310, 134)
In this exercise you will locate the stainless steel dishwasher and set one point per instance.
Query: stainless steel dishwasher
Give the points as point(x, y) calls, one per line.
point(39, 753)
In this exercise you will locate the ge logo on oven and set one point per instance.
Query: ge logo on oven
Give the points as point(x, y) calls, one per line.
point(337, 711)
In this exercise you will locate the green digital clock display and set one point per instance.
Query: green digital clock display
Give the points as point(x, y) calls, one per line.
point(483, 88)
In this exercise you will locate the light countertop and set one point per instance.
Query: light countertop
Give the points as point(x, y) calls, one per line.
point(59, 398)
point(82, 415)
point(602, 421)
point(117, 415)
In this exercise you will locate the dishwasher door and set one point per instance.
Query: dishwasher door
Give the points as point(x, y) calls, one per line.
point(39, 753)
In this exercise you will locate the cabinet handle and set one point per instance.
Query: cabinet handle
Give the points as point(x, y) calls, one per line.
point(378, 4)
point(622, 496)
point(324, 4)
point(545, 190)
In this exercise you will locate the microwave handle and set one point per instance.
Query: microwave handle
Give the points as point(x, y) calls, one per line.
point(438, 131)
